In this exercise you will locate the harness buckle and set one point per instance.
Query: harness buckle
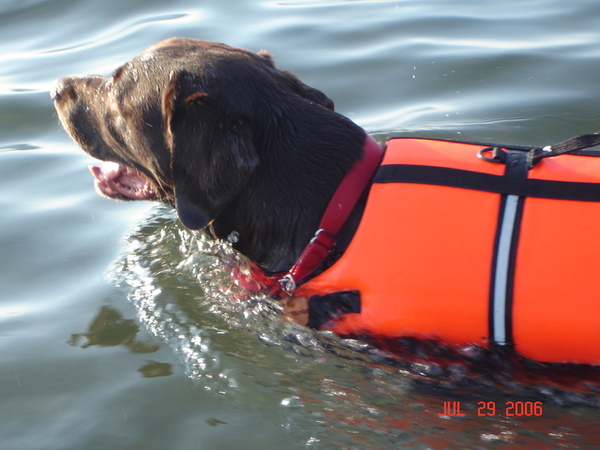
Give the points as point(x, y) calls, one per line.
point(288, 284)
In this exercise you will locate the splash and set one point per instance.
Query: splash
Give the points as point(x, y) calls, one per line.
point(182, 285)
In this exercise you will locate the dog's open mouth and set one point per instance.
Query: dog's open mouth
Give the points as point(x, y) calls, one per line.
point(118, 182)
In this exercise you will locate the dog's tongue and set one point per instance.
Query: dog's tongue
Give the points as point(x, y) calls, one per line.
point(116, 181)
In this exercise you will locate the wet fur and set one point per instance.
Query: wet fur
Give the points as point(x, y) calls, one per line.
point(224, 136)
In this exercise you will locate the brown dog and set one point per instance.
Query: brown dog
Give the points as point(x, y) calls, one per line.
point(223, 136)
point(252, 153)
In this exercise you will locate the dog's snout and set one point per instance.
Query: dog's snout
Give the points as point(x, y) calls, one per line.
point(71, 86)
point(61, 86)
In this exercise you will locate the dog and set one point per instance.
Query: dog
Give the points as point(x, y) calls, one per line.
point(220, 134)
point(256, 156)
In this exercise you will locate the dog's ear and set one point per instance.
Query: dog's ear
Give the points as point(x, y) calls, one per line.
point(297, 86)
point(212, 154)
point(307, 92)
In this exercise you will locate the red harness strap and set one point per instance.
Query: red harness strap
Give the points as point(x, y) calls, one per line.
point(337, 212)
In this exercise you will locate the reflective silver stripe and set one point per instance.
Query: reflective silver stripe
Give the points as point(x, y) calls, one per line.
point(502, 269)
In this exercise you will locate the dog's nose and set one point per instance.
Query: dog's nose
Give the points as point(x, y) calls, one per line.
point(60, 87)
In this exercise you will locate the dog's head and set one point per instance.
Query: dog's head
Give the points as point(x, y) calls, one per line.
point(180, 123)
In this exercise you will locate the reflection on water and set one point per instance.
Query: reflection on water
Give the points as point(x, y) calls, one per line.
point(155, 369)
point(109, 329)
point(181, 284)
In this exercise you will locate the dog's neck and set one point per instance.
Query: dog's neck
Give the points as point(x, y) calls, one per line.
point(276, 217)
point(338, 211)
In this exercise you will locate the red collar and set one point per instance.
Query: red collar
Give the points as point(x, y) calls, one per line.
point(337, 212)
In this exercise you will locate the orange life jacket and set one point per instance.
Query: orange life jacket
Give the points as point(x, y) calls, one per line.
point(455, 247)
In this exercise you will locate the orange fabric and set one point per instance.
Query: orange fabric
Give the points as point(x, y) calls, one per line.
point(422, 259)
point(556, 312)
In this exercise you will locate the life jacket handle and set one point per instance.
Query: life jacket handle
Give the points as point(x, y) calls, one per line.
point(572, 145)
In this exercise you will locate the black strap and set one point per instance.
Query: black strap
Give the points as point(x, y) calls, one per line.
point(525, 187)
point(572, 145)
point(517, 164)
point(505, 254)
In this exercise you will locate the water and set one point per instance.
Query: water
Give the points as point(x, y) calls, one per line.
point(117, 326)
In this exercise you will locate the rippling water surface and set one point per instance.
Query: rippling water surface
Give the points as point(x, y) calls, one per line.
point(120, 329)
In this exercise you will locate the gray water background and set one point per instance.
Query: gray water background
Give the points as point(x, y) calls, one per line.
point(117, 328)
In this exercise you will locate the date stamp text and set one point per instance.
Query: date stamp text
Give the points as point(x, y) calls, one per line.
point(493, 408)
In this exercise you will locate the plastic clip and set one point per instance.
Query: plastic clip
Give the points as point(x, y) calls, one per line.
point(288, 284)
